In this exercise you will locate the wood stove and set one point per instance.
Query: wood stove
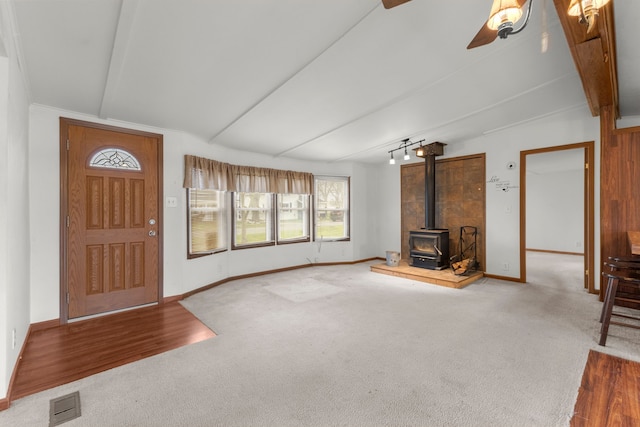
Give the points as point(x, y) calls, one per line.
point(429, 246)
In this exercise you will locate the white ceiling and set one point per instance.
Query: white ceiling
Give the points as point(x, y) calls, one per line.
point(326, 80)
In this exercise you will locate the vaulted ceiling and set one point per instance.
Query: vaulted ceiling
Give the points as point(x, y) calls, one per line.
point(329, 80)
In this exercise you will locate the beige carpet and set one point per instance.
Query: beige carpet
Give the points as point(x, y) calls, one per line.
point(342, 346)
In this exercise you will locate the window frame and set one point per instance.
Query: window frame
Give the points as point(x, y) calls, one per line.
point(346, 210)
point(225, 215)
point(306, 209)
point(271, 229)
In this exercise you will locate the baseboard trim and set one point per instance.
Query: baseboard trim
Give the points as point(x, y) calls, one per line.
point(277, 270)
point(6, 402)
point(509, 279)
point(174, 298)
point(47, 324)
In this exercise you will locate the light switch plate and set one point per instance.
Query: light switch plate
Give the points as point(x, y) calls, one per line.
point(172, 202)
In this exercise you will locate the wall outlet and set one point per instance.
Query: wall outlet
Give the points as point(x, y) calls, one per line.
point(505, 266)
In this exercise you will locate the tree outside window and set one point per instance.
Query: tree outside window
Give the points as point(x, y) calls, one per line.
point(331, 208)
point(253, 219)
point(293, 218)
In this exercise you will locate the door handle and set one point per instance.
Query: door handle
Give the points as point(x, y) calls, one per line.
point(152, 233)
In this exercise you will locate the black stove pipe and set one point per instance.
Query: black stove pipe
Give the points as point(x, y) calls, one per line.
point(430, 191)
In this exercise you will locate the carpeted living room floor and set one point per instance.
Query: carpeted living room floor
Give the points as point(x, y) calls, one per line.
point(342, 346)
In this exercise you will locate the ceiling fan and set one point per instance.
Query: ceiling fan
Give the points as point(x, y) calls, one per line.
point(504, 14)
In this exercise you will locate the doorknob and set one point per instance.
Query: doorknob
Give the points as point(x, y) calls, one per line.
point(152, 233)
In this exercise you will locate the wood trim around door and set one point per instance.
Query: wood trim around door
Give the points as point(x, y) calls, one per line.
point(65, 123)
point(589, 206)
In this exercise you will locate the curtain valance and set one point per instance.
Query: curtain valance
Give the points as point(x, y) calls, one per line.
point(210, 174)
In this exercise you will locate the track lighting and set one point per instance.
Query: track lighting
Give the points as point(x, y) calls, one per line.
point(404, 144)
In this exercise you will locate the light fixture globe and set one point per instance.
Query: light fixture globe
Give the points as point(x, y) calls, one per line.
point(588, 6)
point(504, 13)
point(586, 10)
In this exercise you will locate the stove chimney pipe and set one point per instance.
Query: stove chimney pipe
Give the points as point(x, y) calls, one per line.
point(430, 152)
point(430, 192)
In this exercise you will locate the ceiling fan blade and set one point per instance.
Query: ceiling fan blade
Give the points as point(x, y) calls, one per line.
point(485, 36)
point(388, 4)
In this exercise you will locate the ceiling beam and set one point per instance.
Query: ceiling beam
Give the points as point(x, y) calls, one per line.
point(594, 54)
point(126, 22)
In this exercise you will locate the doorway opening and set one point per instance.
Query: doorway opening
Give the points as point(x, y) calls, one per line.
point(557, 208)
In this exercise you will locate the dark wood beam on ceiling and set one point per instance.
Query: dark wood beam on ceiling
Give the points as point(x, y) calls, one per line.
point(594, 54)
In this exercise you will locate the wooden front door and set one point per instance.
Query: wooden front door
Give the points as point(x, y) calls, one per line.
point(112, 242)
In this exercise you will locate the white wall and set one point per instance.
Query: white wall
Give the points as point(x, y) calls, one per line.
point(502, 188)
point(180, 274)
point(5, 331)
point(628, 121)
point(14, 216)
point(385, 194)
point(555, 210)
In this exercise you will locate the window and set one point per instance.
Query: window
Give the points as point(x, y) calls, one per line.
point(115, 158)
point(293, 218)
point(207, 222)
point(253, 219)
point(331, 208)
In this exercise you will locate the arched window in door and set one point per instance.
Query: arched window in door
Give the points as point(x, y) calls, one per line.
point(115, 158)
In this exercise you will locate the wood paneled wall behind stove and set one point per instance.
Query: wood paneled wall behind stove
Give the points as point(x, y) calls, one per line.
point(460, 200)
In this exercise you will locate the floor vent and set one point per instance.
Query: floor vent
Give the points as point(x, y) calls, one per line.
point(63, 409)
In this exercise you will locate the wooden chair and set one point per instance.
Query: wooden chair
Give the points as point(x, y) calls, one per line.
point(625, 258)
point(627, 274)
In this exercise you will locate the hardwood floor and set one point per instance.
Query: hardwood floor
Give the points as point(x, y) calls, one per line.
point(609, 394)
point(66, 353)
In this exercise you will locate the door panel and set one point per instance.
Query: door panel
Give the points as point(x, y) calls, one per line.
point(113, 220)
